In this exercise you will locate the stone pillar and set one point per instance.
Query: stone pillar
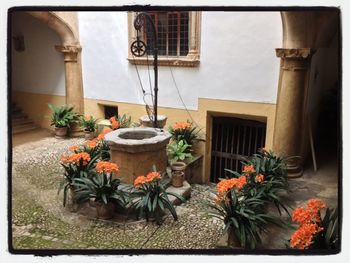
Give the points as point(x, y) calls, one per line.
point(295, 64)
point(73, 82)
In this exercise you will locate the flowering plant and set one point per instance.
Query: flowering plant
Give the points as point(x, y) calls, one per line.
point(103, 186)
point(120, 122)
point(89, 123)
point(266, 178)
point(184, 131)
point(76, 165)
point(150, 197)
point(242, 214)
point(315, 231)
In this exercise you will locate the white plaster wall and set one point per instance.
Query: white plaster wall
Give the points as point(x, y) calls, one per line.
point(238, 60)
point(39, 68)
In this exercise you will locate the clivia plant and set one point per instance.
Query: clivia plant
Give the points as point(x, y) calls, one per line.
point(266, 177)
point(244, 216)
point(150, 198)
point(315, 230)
point(122, 121)
point(76, 165)
point(103, 186)
point(88, 123)
point(184, 131)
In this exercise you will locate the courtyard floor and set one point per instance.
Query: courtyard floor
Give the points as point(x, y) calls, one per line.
point(39, 221)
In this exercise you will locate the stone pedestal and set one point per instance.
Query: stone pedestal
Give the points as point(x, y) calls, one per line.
point(146, 122)
point(295, 64)
point(137, 150)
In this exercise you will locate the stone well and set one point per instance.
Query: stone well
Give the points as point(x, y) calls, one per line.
point(136, 150)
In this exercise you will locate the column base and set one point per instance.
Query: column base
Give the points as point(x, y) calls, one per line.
point(294, 170)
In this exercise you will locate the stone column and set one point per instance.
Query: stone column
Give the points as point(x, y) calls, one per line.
point(73, 82)
point(295, 64)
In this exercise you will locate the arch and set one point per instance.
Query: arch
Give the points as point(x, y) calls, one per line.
point(71, 50)
point(57, 24)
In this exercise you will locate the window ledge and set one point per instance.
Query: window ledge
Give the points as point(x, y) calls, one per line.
point(167, 61)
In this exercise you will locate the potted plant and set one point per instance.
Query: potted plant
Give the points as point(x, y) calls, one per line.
point(103, 188)
point(89, 125)
point(118, 122)
point(61, 118)
point(178, 151)
point(244, 216)
point(150, 197)
point(185, 131)
point(315, 230)
point(76, 165)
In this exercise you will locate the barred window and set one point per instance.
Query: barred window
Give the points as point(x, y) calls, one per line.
point(177, 38)
point(172, 33)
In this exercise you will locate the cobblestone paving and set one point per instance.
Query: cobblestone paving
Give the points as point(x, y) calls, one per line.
point(41, 222)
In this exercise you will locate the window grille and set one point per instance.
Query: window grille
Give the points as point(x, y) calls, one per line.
point(233, 139)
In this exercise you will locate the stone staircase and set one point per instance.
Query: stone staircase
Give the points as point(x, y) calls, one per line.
point(20, 121)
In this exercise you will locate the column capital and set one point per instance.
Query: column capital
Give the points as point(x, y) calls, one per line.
point(294, 53)
point(70, 52)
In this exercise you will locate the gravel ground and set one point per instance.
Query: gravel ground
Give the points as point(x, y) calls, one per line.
point(41, 222)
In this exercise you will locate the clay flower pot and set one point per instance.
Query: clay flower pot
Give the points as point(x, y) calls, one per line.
point(89, 135)
point(61, 132)
point(178, 166)
point(233, 240)
point(104, 211)
point(177, 178)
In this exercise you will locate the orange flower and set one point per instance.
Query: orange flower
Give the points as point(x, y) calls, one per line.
point(91, 144)
point(107, 167)
point(65, 158)
point(311, 214)
point(115, 123)
point(74, 148)
point(259, 178)
point(182, 126)
point(248, 169)
point(101, 136)
point(88, 117)
point(303, 236)
point(227, 184)
point(150, 177)
point(76, 158)
point(140, 180)
point(316, 204)
point(302, 216)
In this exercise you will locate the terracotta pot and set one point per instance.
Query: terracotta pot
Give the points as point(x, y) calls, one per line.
point(61, 132)
point(177, 178)
point(233, 240)
point(178, 166)
point(89, 135)
point(104, 211)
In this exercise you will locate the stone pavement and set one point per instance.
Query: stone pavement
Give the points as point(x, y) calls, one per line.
point(40, 222)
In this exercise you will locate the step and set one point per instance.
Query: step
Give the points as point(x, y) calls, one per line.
point(16, 110)
point(23, 128)
point(20, 116)
point(20, 121)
